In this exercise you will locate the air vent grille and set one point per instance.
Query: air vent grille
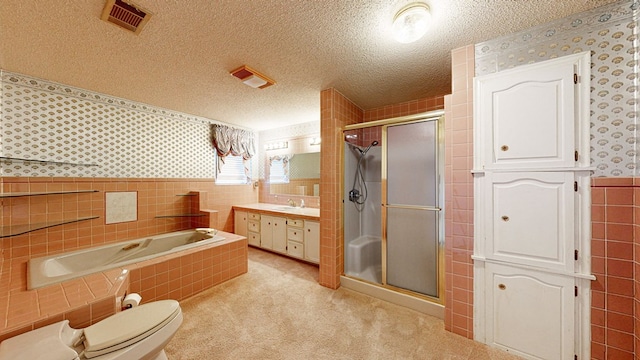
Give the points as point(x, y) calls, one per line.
point(125, 15)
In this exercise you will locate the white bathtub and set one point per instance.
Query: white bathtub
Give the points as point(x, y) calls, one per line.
point(56, 268)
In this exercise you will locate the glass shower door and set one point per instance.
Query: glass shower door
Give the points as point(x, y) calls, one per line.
point(412, 207)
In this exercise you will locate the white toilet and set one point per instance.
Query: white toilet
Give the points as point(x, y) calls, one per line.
point(140, 333)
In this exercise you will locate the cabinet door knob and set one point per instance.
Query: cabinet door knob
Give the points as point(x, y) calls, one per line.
point(505, 218)
point(502, 286)
point(504, 147)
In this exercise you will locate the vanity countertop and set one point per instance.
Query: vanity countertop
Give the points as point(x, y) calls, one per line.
point(277, 209)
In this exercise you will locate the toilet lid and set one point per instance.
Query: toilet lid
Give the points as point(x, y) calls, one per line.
point(44, 343)
point(128, 327)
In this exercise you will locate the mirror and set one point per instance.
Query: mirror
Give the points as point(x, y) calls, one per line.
point(295, 174)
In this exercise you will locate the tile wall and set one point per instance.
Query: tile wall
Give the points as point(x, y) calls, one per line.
point(459, 195)
point(614, 294)
point(184, 276)
point(156, 197)
point(336, 112)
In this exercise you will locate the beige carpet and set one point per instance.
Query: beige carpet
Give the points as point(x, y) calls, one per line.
point(278, 311)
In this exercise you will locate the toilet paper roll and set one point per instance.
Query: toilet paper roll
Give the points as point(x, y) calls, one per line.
point(131, 300)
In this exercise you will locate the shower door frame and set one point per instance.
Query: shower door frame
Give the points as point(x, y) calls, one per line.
point(437, 115)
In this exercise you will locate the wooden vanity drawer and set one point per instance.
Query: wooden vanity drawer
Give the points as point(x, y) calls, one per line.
point(295, 234)
point(254, 216)
point(253, 225)
point(295, 222)
point(295, 249)
point(253, 238)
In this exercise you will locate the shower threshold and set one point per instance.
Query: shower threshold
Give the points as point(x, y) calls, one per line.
point(394, 297)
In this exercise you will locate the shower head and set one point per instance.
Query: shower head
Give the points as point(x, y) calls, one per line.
point(374, 143)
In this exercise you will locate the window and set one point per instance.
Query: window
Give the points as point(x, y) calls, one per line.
point(279, 170)
point(232, 171)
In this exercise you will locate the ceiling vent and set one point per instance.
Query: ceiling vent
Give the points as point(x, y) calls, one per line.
point(126, 15)
point(252, 78)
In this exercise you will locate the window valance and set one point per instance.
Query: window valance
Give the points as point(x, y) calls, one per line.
point(231, 141)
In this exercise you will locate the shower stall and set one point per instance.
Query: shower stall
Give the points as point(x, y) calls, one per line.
point(393, 205)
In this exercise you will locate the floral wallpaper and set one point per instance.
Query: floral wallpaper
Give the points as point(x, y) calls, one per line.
point(88, 134)
point(611, 34)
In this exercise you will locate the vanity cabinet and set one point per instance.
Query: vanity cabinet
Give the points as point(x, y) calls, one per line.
point(291, 236)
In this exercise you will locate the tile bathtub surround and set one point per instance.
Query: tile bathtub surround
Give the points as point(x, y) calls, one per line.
point(82, 301)
point(184, 276)
point(155, 197)
point(92, 298)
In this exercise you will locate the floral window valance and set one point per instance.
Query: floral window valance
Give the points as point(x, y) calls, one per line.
point(231, 141)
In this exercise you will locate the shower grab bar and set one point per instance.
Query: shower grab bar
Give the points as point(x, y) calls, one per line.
point(414, 207)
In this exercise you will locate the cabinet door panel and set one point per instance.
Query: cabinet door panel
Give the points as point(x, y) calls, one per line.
point(279, 234)
point(266, 232)
point(530, 219)
point(527, 309)
point(312, 241)
point(528, 117)
point(240, 223)
point(253, 238)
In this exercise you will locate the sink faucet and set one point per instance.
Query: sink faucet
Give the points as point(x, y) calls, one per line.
point(291, 203)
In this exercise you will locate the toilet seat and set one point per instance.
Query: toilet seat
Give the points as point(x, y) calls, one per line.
point(128, 327)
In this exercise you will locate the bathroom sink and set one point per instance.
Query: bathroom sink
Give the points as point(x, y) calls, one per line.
point(285, 208)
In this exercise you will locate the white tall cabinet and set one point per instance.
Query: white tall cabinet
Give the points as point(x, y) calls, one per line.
point(532, 209)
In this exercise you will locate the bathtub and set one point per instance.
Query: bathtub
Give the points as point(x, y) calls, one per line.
point(49, 270)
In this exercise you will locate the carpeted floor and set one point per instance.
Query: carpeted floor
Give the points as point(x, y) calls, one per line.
point(278, 311)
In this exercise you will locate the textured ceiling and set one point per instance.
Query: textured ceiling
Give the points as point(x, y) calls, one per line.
point(182, 58)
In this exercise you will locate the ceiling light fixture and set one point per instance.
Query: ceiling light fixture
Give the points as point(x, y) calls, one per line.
point(411, 22)
point(252, 78)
